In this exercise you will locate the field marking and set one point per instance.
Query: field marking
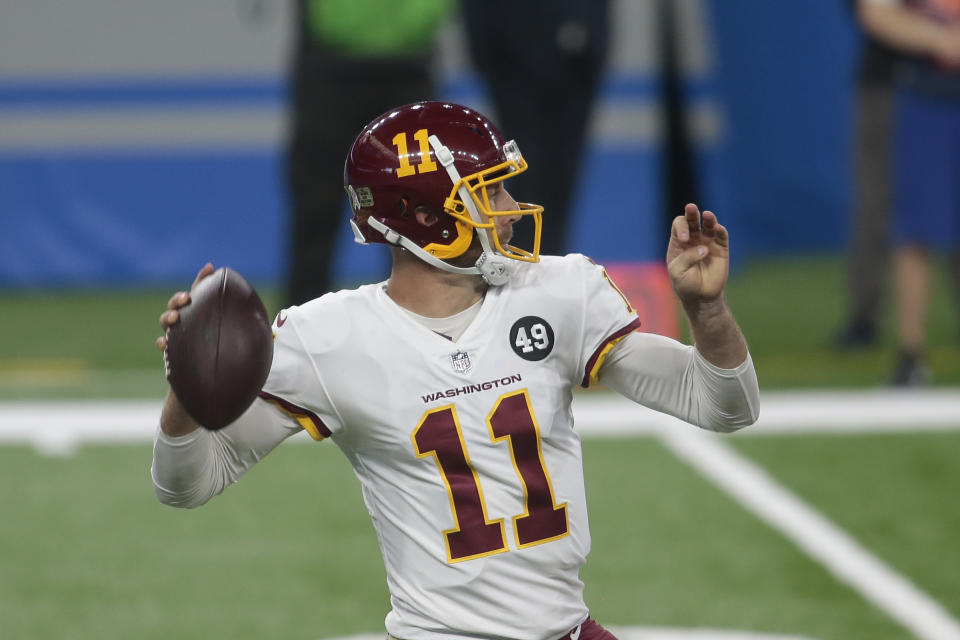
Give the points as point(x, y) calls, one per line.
point(58, 427)
point(823, 541)
point(649, 633)
point(793, 412)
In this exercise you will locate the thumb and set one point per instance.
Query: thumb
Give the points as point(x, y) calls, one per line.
point(203, 273)
point(689, 257)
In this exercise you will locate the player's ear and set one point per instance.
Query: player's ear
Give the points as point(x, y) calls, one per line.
point(425, 217)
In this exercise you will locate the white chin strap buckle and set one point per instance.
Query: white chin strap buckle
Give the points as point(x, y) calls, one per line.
point(495, 270)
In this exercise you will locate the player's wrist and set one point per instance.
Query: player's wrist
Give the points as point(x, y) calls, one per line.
point(706, 312)
point(697, 304)
point(174, 419)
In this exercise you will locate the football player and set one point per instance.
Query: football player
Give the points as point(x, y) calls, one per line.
point(449, 385)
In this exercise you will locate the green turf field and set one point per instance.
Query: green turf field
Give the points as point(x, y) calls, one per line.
point(290, 553)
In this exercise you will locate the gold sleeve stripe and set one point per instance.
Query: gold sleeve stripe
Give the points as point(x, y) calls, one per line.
point(307, 419)
point(596, 360)
point(613, 284)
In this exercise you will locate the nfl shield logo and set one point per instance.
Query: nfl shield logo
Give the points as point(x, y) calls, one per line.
point(461, 361)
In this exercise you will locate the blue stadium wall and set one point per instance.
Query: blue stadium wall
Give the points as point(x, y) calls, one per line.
point(79, 211)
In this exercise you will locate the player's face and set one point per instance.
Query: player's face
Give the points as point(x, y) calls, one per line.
point(501, 200)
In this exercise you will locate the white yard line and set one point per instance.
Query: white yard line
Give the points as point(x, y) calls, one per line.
point(873, 410)
point(650, 633)
point(60, 426)
point(813, 533)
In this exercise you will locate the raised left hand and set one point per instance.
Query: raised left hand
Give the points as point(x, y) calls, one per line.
point(698, 256)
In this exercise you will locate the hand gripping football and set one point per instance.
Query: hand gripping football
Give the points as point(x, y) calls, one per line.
point(219, 353)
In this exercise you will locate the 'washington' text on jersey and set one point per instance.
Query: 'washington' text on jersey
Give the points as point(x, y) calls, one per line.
point(472, 388)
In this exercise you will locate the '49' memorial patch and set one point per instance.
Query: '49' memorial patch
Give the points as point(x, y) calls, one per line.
point(531, 338)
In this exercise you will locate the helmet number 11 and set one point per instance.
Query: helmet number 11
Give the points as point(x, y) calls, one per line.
point(426, 164)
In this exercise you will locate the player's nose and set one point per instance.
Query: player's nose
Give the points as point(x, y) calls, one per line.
point(510, 220)
point(509, 203)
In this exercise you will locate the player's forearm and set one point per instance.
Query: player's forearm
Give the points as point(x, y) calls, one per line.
point(715, 333)
point(901, 28)
point(189, 469)
point(728, 399)
point(183, 469)
point(665, 375)
point(184, 459)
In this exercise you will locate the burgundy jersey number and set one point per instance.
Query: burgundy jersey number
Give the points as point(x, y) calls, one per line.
point(474, 535)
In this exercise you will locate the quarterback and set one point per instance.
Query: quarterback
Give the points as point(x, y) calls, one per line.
point(469, 460)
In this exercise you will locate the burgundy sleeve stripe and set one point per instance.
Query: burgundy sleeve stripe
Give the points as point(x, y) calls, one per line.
point(597, 358)
point(295, 410)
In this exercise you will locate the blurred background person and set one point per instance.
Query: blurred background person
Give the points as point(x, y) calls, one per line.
point(352, 61)
point(926, 146)
point(678, 165)
point(543, 62)
point(869, 245)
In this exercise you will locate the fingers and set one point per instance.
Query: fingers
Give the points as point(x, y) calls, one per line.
point(681, 229)
point(203, 273)
point(708, 224)
point(721, 236)
point(692, 226)
point(177, 301)
point(688, 225)
point(691, 214)
point(171, 315)
point(713, 230)
point(689, 257)
point(169, 318)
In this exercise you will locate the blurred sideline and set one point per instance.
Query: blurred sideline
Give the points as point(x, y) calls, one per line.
point(58, 427)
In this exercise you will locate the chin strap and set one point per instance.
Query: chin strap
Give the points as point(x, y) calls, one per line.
point(494, 268)
point(395, 238)
point(494, 272)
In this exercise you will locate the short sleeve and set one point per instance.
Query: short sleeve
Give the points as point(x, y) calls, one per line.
point(608, 318)
point(294, 383)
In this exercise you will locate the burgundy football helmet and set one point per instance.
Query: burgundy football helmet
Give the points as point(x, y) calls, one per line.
point(440, 156)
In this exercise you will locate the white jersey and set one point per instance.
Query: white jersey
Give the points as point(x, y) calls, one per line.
point(466, 451)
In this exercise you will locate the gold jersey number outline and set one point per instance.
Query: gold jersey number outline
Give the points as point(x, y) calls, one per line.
point(473, 534)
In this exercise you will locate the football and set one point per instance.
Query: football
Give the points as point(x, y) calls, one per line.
point(219, 354)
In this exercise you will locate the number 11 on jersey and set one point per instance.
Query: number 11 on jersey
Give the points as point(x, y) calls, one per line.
point(474, 535)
